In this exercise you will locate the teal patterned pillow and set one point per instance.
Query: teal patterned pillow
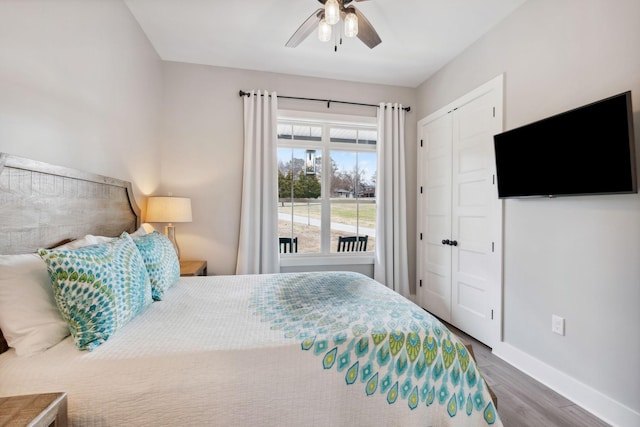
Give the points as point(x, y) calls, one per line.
point(161, 262)
point(98, 288)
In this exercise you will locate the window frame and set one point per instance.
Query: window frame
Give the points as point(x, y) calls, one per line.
point(325, 146)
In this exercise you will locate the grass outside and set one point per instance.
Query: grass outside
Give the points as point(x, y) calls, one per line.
point(343, 211)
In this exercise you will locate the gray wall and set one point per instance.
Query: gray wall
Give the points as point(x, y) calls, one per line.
point(202, 137)
point(80, 86)
point(576, 257)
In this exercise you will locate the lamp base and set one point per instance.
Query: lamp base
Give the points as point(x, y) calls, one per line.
point(170, 232)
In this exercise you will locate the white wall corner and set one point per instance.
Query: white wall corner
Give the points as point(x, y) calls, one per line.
point(601, 405)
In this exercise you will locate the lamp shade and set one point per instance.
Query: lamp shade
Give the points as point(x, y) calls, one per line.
point(168, 209)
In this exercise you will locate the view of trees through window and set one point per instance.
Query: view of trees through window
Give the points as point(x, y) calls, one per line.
point(316, 208)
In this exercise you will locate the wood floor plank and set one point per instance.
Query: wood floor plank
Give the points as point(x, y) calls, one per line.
point(538, 408)
point(503, 373)
point(583, 417)
point(516, 413)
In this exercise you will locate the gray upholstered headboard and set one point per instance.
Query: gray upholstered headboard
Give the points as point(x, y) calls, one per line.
point(42, 205)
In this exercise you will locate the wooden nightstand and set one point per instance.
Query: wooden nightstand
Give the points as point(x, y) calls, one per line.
point(38, 410)
point(193, 268)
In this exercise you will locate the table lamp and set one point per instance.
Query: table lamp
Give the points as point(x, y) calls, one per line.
point(169, 210)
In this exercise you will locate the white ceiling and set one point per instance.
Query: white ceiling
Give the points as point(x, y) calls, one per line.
point(418, 36)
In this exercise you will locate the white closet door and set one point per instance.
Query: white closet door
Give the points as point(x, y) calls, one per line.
point(459, 252)
point(476, 213)
point(434, 258)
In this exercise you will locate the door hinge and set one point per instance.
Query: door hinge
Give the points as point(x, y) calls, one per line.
point(492, 314)
point(493, 246)
point(421, 189)
point(421, 142)
point(494, 111)
point(420, 282)
point(494, 179)
point(420, 236)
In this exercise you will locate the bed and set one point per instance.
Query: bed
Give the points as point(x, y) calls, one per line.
point(286, 349)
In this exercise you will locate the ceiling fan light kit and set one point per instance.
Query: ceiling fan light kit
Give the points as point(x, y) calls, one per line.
point(354, 24)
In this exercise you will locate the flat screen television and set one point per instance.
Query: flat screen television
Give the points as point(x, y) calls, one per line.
point(588, 150)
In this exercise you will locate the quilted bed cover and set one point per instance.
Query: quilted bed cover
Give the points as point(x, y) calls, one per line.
point(298, 349)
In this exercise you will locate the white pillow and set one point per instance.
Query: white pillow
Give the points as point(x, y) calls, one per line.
point(87, 240)
point(29, 318)
point(90, 239)
point(143, 230)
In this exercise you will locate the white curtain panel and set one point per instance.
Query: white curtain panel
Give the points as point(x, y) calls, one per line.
point(391, 266)
point(258, 246)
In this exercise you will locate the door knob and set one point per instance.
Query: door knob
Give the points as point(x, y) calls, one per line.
point(446, 242)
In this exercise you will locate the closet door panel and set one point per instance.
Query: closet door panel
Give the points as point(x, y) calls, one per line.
point(472, 217)
point(434, 258)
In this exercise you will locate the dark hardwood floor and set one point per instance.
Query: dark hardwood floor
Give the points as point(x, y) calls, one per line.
point(523, 401)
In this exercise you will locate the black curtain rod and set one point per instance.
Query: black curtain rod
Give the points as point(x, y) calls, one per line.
point(328, 101)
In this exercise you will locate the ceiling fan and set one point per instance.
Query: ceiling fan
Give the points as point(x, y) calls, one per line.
point(355, 24)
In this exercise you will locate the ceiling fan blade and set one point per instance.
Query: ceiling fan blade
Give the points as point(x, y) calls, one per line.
point(366, 33)
point(306, 28)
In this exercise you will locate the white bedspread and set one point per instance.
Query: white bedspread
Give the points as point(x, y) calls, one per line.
point(216, 352)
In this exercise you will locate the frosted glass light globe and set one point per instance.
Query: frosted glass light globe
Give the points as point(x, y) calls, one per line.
point(332, 12)
point(324, 31)
point(351, 25)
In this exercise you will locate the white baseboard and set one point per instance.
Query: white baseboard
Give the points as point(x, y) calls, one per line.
point(602, 406)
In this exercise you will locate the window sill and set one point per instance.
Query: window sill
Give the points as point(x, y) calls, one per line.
point(333, 259)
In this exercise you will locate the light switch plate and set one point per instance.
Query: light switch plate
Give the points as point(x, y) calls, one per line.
point(557, 324)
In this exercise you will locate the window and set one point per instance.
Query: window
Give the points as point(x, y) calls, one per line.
point(326, 184)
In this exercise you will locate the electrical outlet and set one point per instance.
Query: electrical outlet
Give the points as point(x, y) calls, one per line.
point(557, 324)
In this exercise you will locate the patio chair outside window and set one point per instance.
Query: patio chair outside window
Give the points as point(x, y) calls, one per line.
point(352, 243)
point(288, 245)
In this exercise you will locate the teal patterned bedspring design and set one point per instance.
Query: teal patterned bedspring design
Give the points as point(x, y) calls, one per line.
point(376, 339)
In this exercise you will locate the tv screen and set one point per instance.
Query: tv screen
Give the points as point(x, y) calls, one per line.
point(589, 150)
